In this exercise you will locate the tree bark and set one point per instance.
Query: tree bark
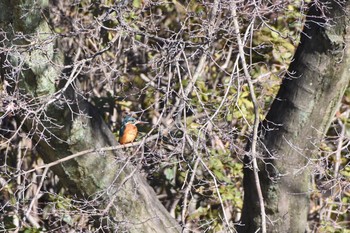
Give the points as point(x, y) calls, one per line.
point(103, 176)
point(298, 119)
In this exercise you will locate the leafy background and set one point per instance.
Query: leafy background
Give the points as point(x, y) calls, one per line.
point(138, 58)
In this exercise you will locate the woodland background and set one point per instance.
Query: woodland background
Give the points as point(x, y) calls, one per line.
point(176, 65)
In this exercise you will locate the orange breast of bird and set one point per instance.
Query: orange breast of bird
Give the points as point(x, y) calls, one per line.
point(130, 133)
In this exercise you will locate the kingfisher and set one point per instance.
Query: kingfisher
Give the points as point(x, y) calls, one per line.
point(128, 131)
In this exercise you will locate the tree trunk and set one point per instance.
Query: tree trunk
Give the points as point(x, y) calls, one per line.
point(298, 119)
point(128, 202)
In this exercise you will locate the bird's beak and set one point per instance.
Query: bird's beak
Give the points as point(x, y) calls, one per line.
point(140, 122)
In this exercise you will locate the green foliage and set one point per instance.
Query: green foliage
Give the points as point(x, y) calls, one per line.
point(32, 230)
point(140, 56)
point(229, 174)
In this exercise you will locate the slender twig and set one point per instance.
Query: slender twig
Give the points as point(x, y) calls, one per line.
point(114, 196)
point(93, 150)
point(339, 149)
point(218, 193)
point(256, 115)
point(35, 198)
point(188, 189)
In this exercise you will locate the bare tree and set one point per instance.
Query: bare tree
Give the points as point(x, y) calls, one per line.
point(64, 123)
point(203, 74)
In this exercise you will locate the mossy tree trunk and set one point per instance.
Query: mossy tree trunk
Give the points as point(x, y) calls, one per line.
point(131, 203)
point(298, 119)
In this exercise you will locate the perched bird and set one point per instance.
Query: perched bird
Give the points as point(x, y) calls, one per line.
point(128, 130)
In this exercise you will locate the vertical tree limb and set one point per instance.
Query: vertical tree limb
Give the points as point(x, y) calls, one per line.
point(298, 119)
